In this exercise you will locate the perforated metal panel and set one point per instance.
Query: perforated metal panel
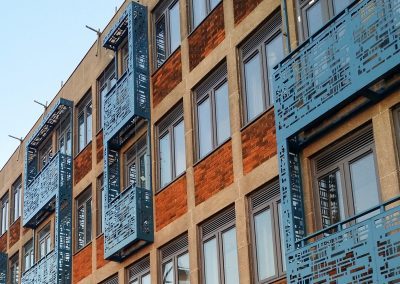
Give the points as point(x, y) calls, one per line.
point(3, 267)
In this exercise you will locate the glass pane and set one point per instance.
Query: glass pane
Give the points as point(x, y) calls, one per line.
point(168, 273)
point(331, 199)
point(88, 221)
point(42, 249)
point(214, 3)
point(146, 279)
point(132, 174)
point(165, 160)
point(254, 91)
point(282, 237)
point(48, 244)
point(222, 113)
point(264, 244)
point(68, 143)
point(81, 132)
point(160, 41)
point(205, 128)
point(364, 184)
point(174, 27)
point(211, 262)
point(199, 11)
point(61, 145)
point(81, 227)
point(339, 5)
point(183, 269)
point(231, 270)
point(179, 142)
point(275, 53)
point(142, 173)
point(89, 123)
point(315, 19)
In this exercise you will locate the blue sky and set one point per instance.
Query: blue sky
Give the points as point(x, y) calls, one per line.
point(41, 44)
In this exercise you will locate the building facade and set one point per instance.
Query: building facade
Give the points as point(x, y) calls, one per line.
point(213, 141)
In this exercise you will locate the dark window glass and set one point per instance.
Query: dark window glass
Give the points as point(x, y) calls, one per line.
point(14, 269)
point(85, 122)
point(16, 199)
point(160, 41)
point(4, 203)
point(84, 219)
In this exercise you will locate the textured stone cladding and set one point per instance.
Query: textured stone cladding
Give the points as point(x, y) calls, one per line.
point(242, 8)
point(99, 146)
point(167, 77)
point(83, 163)
point(82, 264)
point(15, 230)
point(207, 36)
point(171, 203)
point(214, 173)
point(100, 261)
point(259, 141)
point(3, 243)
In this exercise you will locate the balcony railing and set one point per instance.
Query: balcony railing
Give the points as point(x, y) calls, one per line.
point(365, 252)
point(3, 267)
point(44, 271)
point(128, 223)
point(39, 196)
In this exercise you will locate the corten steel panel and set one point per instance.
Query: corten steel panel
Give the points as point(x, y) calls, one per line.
point(3, 268)
point(351, 52)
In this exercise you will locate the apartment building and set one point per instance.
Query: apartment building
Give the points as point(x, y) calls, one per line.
point(209, 141)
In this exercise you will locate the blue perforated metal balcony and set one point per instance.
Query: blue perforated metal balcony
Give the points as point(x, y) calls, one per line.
point(128, 214)
point(48, 190)
point(3, 267)
point(328, 78)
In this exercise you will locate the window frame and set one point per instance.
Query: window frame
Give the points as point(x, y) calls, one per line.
point(82, 110)
point(212, 83)
point(16, 189)
point(106, 81)
point(343, 166)
point(136, 151)
point(208, 10)
point(62, 133)
point(172, 119)
point(144, 266)
point(30, 253)
point(47, 236)
point(14, 264)
point(82, 202)
point(252, 46)
point(162, 11)
point(4, 203)
point(272, 204)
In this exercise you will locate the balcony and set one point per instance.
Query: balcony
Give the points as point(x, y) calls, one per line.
point(128, 223)
point(44, 271)
point(3, 267)
point(366, 252)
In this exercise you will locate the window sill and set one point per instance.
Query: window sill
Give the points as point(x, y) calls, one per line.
point(212, 151)
point(156, 69)
point(82, 248)
point(15, 221)
point(170, 183)
point(99, 236)
point(84, 148)
point(255, 119)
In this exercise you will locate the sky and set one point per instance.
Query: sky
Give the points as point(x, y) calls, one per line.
point(41, 44)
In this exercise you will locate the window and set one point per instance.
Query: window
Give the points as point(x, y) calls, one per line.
point(259, 54)
point(84, 219)
point(346, 179)
point(135, 164)
point(175, 262)
point(123, 51)
point(16, 199)
point(200, 10)
point(44, 241)
point(112, 280)
point(139, 272)
point(212, 112)
point(29, 255)
point(45, 152)
point(14, 269)
point(219, 249)
point(100, 197)
point(85, 122)
point(4, 203)
point(167, 30)
point(171, 146)
point(266, 230)
point(317, 13)
point(64, 137)
point(105, 82)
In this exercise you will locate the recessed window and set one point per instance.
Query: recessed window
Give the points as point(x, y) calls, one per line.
point(259, 54)
point(139, 272)
point(44, 241)
point(45, 153)
point(64, 137)
point(219, 249)
point(167, 30)
point(175, 262)
point(135, 164)
point(4, 206)
point(100, 197)
point(16, 199)
point(14, 269)
point(105, 82)
point(123, 54)
point(29, 255)
point(84, 219)
point(85, 122)
point(171, 146)
point(346, 179)
point(317, 13)
point(212, 112)
point(266, 231)
point(200, 9)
